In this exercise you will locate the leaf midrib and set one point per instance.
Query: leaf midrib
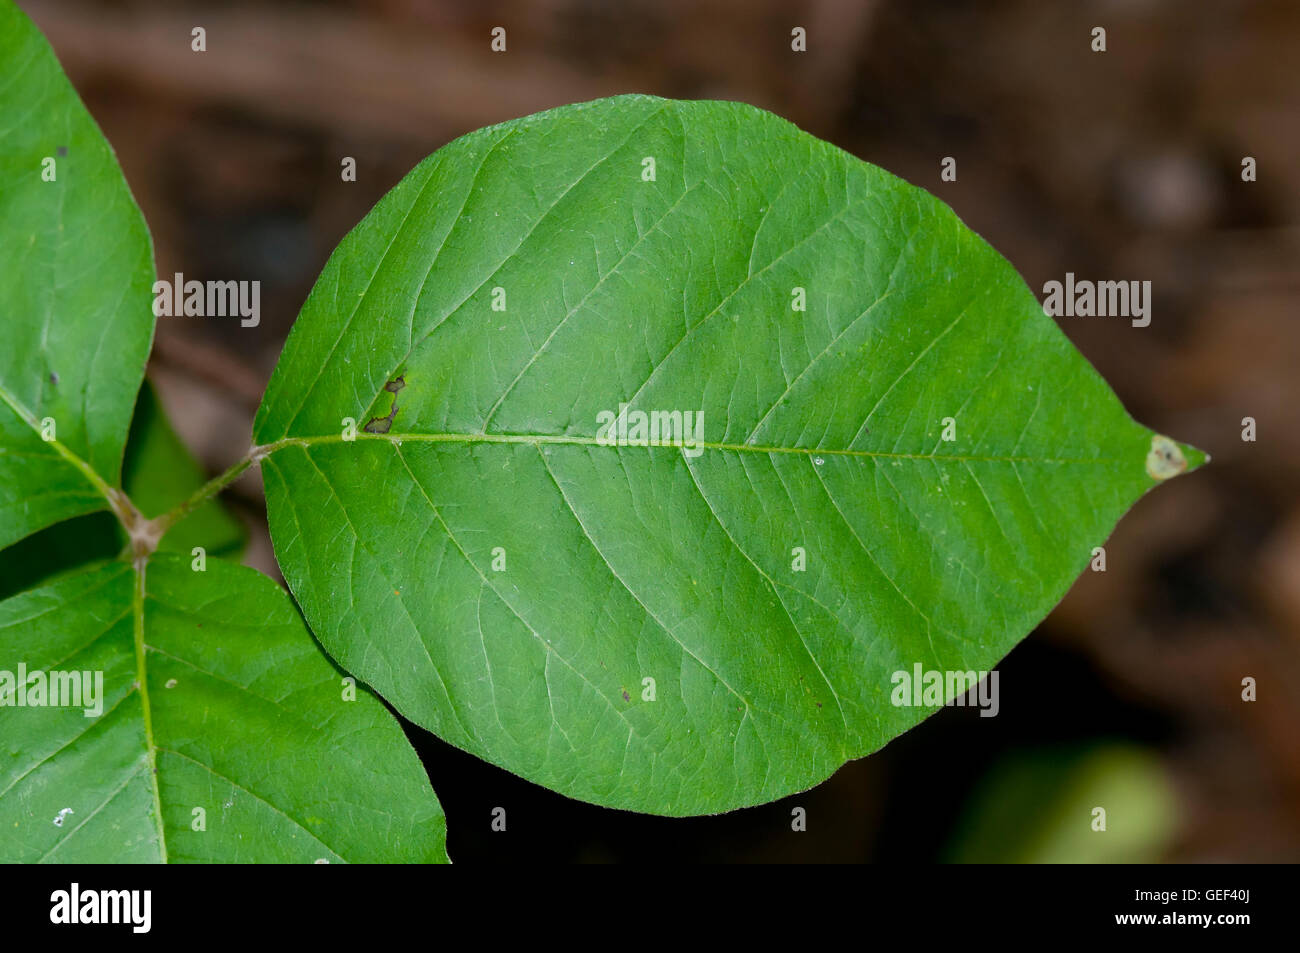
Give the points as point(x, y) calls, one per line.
point(142, 685)
point(137, 606)
point(584, 441)
point(28, 417)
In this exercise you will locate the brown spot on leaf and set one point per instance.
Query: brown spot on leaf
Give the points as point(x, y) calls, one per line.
point(384, 424)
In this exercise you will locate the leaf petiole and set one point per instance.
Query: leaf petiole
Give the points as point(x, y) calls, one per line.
point(161, 524)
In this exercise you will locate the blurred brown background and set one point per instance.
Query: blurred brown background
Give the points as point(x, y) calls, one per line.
point(1122, 165)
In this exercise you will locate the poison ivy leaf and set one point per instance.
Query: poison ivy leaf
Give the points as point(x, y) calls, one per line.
point(225, 734)
point(158, 472)
point(504, 577)
point(74, 294)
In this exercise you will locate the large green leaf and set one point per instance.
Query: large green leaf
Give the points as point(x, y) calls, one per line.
point(75, 295)
point(823, 431)
point(215, 699)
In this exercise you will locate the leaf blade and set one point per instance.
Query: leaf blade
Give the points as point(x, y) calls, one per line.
point(293, 774)
point(76, 307)
point(824, 431)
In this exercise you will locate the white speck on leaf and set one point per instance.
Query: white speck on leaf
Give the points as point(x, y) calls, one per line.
point(1165, 459)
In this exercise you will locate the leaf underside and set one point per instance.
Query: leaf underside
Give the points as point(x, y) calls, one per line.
point(509, 581)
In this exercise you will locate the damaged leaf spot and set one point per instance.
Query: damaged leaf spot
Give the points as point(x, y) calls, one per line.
point(1165, 459)
point(384, 424)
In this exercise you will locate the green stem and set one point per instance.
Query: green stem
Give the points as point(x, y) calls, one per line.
point(200, 496)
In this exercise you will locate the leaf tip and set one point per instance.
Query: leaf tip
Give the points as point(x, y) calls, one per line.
point(1168, 458)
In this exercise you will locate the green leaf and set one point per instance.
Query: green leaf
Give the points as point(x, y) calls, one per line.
point(75, 294)
point(478, 441)
point(158, 472)
point(240, 717)
point(226, 735)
